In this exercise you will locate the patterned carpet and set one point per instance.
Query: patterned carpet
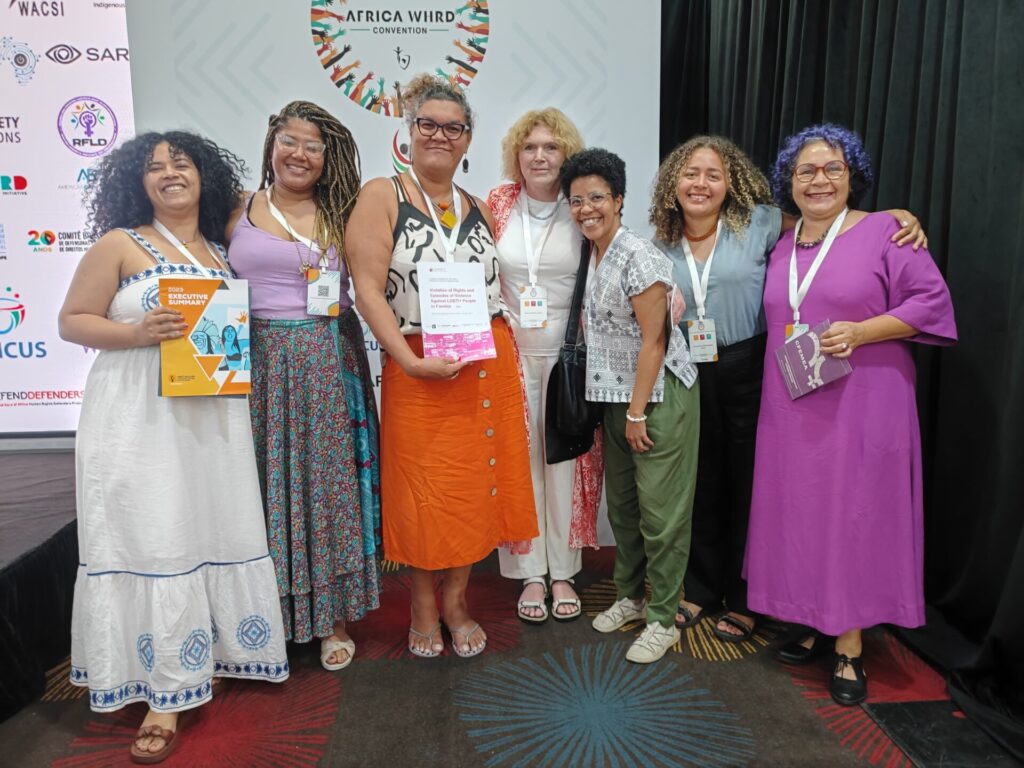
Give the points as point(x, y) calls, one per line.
point(555, 695)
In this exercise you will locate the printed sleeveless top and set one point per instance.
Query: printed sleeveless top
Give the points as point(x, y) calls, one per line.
point(139, 293)
point(416, 239)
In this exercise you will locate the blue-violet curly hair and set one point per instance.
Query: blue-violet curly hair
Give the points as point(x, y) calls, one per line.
point(837, 137)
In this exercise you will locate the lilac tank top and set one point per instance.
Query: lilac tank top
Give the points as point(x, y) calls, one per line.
point(273, 267)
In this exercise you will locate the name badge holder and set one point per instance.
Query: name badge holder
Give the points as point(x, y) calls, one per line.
point(798, 290)
point(533, 298)
point(323, 285)
point(701, 332)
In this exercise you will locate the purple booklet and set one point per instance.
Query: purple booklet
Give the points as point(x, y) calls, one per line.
point(805, 367)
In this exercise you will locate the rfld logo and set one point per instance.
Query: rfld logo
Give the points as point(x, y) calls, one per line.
point(12, 315)
point(87, 126)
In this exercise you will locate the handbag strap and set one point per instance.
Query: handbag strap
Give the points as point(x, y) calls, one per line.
point(572, 330)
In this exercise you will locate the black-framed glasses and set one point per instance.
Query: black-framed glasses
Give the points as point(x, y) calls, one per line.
point(594, 198)
point(833, 170)
point(451, 131)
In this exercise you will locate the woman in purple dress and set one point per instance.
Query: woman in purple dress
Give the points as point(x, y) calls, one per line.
point(836, 532)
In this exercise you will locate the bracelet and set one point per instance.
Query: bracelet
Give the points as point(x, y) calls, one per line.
point(636, 419)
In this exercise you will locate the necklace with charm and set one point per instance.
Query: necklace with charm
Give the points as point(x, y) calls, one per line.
point(446, 217)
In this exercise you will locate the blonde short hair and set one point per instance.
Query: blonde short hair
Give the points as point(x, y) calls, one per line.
point(567, 136)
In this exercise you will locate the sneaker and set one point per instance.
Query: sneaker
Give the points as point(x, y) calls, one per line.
point(620, 614)
point(652, 643)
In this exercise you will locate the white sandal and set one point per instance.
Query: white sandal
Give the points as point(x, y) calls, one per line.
point(541, 605)
point(331, 645)
point(556, 603)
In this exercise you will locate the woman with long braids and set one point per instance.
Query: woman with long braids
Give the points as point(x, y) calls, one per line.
point(313, 412)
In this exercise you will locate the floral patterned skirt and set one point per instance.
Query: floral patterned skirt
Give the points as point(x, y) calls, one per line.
point(315, 425)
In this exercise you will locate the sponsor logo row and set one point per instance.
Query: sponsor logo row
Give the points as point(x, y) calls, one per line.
point(50, 9)
point(75, 241)
point(23, 59)
point(86, 125)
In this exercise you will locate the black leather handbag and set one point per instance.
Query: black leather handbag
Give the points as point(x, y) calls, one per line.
point(569, 419)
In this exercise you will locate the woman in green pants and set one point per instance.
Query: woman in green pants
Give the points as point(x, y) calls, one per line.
point(639, 366)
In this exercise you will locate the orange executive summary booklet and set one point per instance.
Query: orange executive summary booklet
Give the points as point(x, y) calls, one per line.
point(212, 358)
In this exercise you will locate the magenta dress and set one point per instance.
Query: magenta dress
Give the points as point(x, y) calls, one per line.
point(836, 539)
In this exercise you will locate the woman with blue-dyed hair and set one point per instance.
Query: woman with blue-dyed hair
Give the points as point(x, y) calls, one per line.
point(836, 533)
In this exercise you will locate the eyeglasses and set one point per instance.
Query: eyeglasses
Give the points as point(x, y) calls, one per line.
point(833, 170)
point(594, 198)
point(290, 143)
point(451, 131)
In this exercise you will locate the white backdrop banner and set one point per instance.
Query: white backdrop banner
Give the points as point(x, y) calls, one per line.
point(223, 68)
point(65, 101)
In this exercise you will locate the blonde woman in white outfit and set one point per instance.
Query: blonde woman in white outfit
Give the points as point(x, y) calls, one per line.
point(539, 247)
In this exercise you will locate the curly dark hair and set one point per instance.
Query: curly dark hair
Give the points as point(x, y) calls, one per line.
point(747, 187)
point(837, 137)
point(338, 185)
point(116, 198)
point(595, 162)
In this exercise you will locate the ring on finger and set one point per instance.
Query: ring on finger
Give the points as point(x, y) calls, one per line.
point(845, 346)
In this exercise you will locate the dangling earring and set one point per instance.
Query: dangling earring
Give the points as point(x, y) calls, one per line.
point(465, 164)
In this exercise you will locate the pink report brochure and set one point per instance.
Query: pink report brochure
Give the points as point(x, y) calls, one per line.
point(805, 367)
point(453, 311)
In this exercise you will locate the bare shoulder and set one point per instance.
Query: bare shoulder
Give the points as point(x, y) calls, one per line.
point(113, 247)
point(378, 188)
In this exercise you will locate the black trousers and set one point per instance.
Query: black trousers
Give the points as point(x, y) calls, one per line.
point(730, 398)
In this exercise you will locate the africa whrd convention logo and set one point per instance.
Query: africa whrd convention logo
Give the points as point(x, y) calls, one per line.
point(87, 126)
point(369, 49)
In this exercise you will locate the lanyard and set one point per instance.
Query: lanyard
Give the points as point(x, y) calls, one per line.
point(280, 219)
point(448, 243)
point(533, 259)
point(700, 285)
point(169, 237)
point(797, 294)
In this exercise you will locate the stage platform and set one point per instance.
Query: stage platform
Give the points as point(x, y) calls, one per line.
point(38, 559)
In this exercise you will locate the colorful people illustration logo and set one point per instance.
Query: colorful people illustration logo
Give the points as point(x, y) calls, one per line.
point(451, 42)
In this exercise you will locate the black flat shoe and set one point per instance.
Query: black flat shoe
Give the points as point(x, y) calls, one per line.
point(795, 653)
point(848, 692)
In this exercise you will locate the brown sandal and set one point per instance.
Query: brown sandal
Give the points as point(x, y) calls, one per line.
point(145, 756)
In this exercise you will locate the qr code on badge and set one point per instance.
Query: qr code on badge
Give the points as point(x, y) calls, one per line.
point(323, 292)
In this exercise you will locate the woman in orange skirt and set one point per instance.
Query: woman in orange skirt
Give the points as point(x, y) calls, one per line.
point(455, 465)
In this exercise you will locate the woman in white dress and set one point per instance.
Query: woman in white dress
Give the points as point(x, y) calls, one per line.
point(175, 584)
point(539, 254)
